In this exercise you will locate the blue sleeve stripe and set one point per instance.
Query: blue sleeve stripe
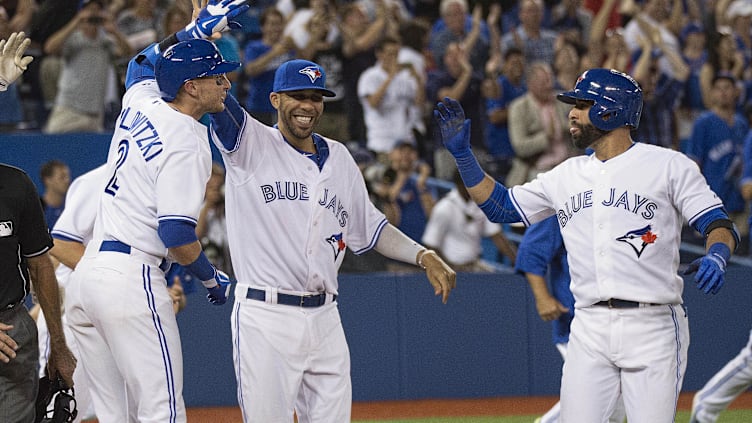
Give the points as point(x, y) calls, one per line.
point(176, 217)
point(65, 236)
point(523, 216)
point(693, 220)
point(175, 233)
point(374, 240)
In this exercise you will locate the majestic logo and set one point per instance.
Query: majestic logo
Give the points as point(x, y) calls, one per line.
point(337, 243)
point(638, 239)
point(6, 228)
point(312, 72)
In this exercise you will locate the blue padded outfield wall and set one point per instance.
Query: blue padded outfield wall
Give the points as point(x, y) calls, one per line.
point(486, 342)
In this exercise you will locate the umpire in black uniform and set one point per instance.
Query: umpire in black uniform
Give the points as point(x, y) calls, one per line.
point(24, 260)
point(24, 245)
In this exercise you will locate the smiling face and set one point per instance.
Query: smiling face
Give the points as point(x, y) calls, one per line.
point(298, 113)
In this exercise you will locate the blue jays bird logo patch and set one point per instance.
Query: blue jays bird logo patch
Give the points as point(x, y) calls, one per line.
point(312, 72)
point(337, 243)
point(638, 239)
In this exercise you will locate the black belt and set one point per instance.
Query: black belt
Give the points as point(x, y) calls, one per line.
point(121, 247)
point(617, 303)
point(294, 300)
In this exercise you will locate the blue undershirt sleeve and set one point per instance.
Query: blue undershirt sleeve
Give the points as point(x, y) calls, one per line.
point(141, 67)
point(702, 223)
point(228, 125)
point(499, 208)
point(175, 233)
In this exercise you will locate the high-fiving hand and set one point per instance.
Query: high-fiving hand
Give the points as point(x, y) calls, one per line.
point(454, 128)
point(216, 16)
point(218, 293)
point(12, 60)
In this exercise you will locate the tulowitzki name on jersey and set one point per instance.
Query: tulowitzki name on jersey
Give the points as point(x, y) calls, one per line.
point(631, 202)
point(289, 190)
point(143, 133)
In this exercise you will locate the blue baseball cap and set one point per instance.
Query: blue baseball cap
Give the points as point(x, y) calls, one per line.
point(296, 75)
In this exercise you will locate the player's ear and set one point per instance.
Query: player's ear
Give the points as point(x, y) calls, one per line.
point(274, 99)
point(189, 87)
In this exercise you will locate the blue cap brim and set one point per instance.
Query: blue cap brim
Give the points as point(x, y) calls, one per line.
point(325, 92)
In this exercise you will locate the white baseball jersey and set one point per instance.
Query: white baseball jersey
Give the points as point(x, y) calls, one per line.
point(158, 165)
point(152, 178)
point(457, 227)
point(76, 223)
point(289, 222)
point(621, 220)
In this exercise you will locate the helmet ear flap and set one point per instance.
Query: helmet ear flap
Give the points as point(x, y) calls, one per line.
point(606, 118)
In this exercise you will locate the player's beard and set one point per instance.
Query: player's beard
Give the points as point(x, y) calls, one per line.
point(587, 135)
point(289, 122)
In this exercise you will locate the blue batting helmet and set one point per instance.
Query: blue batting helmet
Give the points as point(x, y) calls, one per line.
point(188, 60)
point(616, 97)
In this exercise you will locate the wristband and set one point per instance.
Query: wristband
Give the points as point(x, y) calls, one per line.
point(422, 253)
point(203, 270)
point(169, 41)
point(469, 169)
point(721, 250)
point(3, 84)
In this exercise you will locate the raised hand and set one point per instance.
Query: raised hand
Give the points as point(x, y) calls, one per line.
point(216, 16)
point(454, 128)
point(12, 60)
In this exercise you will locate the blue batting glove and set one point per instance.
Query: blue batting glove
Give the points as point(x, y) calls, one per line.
point(711, 268)
point(454, 128)
point(221, 290)
point(217, 16)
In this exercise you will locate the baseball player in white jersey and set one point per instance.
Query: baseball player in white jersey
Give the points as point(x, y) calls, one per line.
point(294, 201)
point(620, 212)
point(158, 164)
point(71, 233)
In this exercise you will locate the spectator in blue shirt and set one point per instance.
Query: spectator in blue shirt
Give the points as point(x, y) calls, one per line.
point(717, 143)
point(262, 58)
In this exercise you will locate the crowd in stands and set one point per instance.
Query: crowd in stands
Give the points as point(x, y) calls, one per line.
point(390, 61)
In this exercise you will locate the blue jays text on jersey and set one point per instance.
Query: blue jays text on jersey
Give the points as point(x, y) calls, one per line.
point(143, 132)
point(288, 190)
point(640, 205)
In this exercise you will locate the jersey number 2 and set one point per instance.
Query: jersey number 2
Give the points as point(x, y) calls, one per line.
point(122, 151)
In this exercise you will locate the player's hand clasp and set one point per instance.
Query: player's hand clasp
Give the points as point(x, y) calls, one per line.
point(218, 293)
